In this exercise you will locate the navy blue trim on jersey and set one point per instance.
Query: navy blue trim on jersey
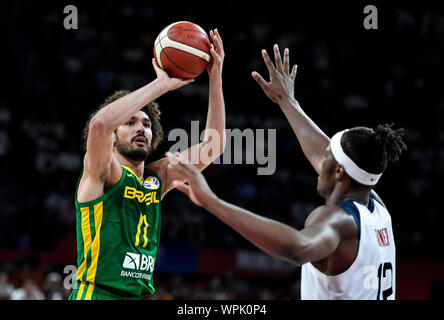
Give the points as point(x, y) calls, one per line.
point(350, 207)
point(371, 204)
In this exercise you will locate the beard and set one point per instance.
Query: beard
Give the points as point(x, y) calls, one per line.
point(133, 153)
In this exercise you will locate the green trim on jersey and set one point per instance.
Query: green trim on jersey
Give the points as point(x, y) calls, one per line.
point(118, 237)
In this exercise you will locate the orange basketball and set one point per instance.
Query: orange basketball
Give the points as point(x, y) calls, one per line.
point(182, 49)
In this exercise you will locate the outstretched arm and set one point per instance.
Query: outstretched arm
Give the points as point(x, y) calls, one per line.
point(316, 241)
point(280, 90)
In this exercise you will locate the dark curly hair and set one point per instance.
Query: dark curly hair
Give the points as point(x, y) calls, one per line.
point(372, 149)
point(151, 109)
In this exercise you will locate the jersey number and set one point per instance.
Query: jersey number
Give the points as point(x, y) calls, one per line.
point(142, 221)
point(382, 273)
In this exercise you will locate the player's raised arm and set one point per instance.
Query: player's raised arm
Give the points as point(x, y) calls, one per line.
point(213, 144)
point(101, 170)
point(280, 89)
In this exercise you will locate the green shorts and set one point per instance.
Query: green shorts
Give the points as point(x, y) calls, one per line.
point(88, 291)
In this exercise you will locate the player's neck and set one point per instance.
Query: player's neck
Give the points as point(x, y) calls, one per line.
point(343, 192)
point(136, 166)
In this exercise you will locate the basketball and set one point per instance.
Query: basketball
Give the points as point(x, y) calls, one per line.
point(182, 49)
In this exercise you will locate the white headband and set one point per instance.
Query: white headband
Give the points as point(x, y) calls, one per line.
point(350, 167)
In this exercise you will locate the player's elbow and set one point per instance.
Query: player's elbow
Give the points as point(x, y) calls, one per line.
point(295, 253)
point(98, 124)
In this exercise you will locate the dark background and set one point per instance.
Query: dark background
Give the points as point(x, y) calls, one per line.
point(348, 76)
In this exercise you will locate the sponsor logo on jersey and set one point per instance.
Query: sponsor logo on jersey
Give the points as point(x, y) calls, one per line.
point(132, 261)
point(151, 183)
point(140, 262)
point(136, 265)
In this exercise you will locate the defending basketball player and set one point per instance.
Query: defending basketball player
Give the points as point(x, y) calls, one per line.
point(346, 248)
point(119, 194)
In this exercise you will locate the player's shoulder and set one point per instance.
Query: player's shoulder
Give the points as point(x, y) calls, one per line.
point(327, 213)
point(103, 175)
point(335, 217)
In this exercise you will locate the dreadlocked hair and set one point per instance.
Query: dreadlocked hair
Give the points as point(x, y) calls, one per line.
point(151, 109)
point(372, 149)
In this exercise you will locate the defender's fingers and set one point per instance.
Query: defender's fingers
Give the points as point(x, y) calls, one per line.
point(277, 58)
point(173, 158)
point(181, 187)
point(191, 169)
point(269, 64)
point(178, 160)
point(179, 171)
point(259, 79)
point(286, 61)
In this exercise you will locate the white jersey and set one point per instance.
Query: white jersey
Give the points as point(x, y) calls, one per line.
point(373, 273)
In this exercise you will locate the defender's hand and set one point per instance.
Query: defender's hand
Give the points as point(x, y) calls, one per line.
point(281, 85)
point(197, 189)
point(170, 83)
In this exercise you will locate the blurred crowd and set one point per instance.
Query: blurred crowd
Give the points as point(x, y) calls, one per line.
point(32, 285)
point(31, 282)
point(348, 76)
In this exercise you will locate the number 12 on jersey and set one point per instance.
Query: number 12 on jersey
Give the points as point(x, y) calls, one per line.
point(375, 277)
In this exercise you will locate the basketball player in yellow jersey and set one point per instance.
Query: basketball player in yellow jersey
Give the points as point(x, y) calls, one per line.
point(119, 194)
